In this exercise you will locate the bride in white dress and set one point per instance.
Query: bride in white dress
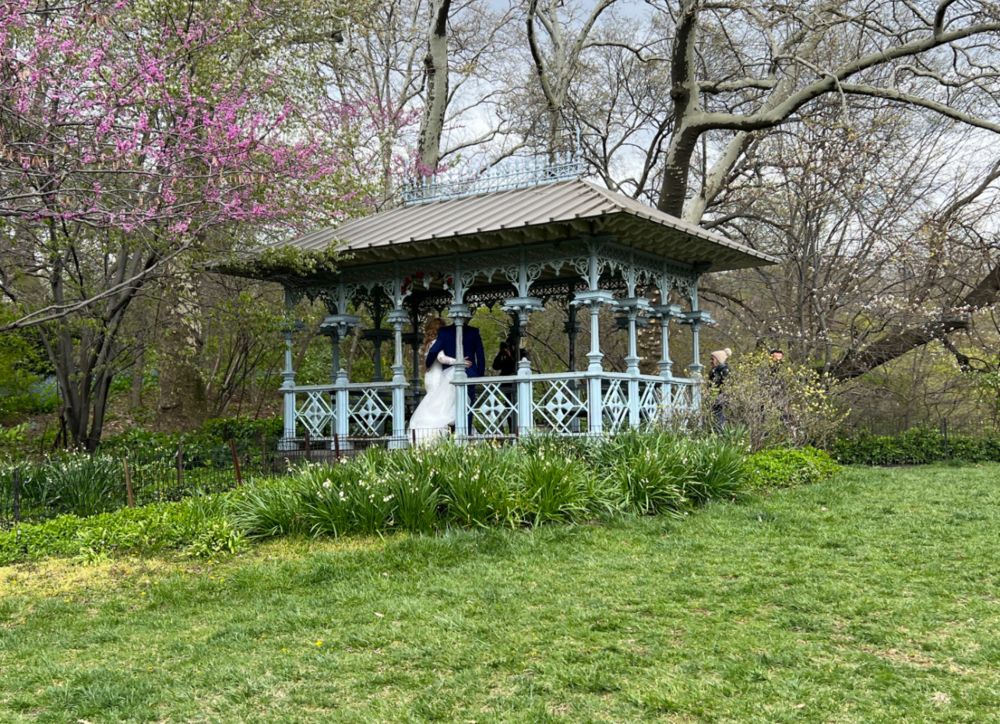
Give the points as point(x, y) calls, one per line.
point(436, 412)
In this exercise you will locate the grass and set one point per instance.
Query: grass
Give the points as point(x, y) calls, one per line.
point(873, 597)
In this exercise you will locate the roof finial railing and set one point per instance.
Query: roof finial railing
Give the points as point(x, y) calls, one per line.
point(515, 174)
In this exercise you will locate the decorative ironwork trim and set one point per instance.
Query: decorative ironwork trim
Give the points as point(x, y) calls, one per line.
point(516, 174)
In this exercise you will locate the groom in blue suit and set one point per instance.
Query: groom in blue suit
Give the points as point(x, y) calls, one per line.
point(472, 349)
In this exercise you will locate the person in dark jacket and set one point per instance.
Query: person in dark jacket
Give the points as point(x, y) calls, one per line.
point(719, 367)
point(472, 350)
point(505, 363)
point(717, 375)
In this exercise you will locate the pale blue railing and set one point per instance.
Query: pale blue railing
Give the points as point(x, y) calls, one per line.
point(575, 403)
point(369, 407)
point(561, 403)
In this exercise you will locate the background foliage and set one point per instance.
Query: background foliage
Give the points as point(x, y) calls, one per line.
point(874, 182)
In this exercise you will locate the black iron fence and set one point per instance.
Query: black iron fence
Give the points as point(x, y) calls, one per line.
point(80, 484)
point(963, 425)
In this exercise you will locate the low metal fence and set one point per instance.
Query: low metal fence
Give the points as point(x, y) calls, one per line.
point(964, 425)
point(37, 490)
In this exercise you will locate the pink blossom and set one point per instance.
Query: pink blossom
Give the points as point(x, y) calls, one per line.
point(177, 156)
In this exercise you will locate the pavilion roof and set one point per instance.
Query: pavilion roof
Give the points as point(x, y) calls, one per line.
point(558, 211)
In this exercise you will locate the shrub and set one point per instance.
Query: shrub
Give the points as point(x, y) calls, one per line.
point(552, 487)
point(917, 446)
point(73, 483)
point(194, 527)
point(718, 469)
point(658, 471)
point(206, 446)
point(270, 509)
point(775, 404)
point(426, 489)
point(370, 497)
point(475, 483)
point(326, 506)
point(333, 499)
point(12, 440)
point(85, 484)
point(786, 467)
point(415, 483)
point(480, 495)
point(647, 471)
point(241, 429)
point(582, 448)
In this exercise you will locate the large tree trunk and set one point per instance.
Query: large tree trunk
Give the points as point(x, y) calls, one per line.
point(436, 72)
point(182, 389)
point(686, 105)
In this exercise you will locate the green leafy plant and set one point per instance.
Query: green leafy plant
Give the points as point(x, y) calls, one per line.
point(86, 484)
point(916, 446)
point(370, 499)
point(552, 487)
point(787, 467)
point(12, 439)
point(543, 480)
point(718, 470)
point(647, 471)
point(421, 490)
point(196, 527)
point(476, 489)
point(270, 509)
point(325, 500)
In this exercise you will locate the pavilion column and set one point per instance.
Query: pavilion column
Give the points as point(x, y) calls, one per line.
point(572, 329)
point(338, 326)
point(377, 336)
point(334, 334)
point(523, 305)
point(633, 307)
point(695, 367)
point(397, 318)
point(696, 317)
point(594, 298)
point(666, 312)
point(415, 339)
point(460, 313)
point(288, 380)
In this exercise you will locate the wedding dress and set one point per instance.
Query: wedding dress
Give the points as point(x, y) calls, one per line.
point(436, 412)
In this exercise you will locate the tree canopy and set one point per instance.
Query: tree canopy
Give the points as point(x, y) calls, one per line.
point(855, 139)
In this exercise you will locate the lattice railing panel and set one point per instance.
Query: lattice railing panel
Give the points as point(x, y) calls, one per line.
point(316, 414)
point(682, 397)
point(493, 409)
point(560, 406)
point(615, 405)
point(650, 400)
point(369, 413)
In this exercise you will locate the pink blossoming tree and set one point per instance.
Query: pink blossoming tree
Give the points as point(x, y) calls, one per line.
point(132, 134)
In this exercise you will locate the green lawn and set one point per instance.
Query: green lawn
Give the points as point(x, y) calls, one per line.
point(874, 597)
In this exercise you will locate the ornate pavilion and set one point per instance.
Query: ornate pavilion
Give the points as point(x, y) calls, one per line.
point(539, 236)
